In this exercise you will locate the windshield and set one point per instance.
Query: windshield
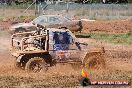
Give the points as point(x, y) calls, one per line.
point(40, 20)
point(50, 19)
point(67, 18)
point(54, 20)
point(57, 19)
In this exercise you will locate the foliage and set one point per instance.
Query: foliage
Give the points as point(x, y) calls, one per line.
point(114, 38)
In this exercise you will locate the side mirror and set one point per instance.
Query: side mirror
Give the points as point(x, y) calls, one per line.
point(78, 45)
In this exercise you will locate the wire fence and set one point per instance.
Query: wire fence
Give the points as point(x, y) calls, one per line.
point(91, 11)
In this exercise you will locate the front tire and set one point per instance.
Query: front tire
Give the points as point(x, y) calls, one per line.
point(36, 64)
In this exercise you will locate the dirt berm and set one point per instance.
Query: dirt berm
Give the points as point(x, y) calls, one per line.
point(114, 26)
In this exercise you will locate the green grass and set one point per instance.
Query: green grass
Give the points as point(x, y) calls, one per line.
point(113, 38)
point(26, 17)
point(1, 18)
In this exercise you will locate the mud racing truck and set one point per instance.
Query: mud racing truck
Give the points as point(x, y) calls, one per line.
point(38, 50)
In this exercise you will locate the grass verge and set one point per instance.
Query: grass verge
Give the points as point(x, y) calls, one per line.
point(113, 38)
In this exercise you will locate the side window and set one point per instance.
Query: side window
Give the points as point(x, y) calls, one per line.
point(56, 38)
point(62, 38)
point(54, 20)
point(67, 38)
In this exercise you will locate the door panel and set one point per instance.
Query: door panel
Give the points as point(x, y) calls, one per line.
point(62, 44)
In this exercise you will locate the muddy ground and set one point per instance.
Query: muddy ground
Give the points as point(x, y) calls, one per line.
point(118, 63)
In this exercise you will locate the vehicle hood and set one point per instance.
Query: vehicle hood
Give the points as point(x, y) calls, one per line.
point(23, 25)
point(73, 20)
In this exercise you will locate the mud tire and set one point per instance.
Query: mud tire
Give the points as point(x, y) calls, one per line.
point(36, 64)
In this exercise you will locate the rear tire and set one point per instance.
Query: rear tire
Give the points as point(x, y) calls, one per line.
point(36, 64)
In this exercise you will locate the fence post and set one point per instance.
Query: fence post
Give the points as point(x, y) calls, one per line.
point(67, 7)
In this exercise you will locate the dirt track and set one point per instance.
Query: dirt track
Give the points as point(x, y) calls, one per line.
point(117, 57)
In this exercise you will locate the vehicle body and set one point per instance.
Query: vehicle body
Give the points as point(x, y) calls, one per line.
point(45, 48)
point(50, 21)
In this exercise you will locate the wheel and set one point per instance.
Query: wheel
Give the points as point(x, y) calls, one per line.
point(94, 61)
point(36, 64)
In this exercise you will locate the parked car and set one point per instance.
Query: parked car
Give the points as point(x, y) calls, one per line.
point(49, 21)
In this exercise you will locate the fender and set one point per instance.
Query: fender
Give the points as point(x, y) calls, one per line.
point(19, 58)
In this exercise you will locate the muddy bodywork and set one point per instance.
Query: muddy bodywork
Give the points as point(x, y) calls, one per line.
point(51, 46)
point(22, 27)
point(24, 43)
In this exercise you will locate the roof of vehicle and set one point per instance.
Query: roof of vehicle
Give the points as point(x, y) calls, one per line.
point(54, 15)
point(50, 15)
point(56, 29)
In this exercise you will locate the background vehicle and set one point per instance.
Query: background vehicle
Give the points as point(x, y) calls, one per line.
point(50, 21)
point(36, 51)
